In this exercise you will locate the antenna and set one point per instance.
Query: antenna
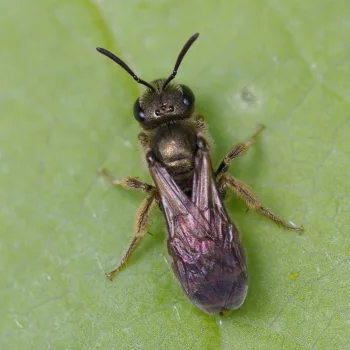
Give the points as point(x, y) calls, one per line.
point(125, 66)
point(188, 44)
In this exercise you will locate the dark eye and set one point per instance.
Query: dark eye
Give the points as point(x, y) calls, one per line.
point(188, 96)
point(139, 114)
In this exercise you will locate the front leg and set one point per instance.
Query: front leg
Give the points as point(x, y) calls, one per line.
point(239, 150)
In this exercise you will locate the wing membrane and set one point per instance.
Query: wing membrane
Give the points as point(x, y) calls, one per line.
point(207, 255)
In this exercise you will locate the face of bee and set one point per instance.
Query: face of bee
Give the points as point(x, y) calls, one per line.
point(162, 106)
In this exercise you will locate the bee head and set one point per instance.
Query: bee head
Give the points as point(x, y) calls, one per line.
point(164, 106)
point(163, 102)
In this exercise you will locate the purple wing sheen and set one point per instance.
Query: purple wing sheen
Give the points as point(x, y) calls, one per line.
point(208, 258)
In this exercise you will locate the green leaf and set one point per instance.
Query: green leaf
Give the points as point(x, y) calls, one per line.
point(66, 111)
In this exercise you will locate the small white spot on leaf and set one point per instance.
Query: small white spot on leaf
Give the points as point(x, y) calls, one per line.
point(248, 98)
point(127, 144)
point(18, 324)
point(177, 315)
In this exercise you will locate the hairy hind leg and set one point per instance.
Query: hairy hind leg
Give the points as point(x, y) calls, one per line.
point(242, 191)
point(141, 225)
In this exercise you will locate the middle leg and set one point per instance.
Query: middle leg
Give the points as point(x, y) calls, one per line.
point(127, 182)
point(239, 150)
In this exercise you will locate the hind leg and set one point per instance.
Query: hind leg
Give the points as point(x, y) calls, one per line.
point(242, 191)
point(141, 225)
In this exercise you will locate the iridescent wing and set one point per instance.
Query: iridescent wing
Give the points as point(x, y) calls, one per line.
point(207, 256)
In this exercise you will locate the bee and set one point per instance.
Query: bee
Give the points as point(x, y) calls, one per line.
point(203, 242)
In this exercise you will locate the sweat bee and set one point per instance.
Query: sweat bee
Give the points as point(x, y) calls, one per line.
point(204, 244)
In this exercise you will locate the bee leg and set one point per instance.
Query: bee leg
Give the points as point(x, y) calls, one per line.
point(127, 182)
point(201, 125)
point(242, 191)
point(141, 225)
point(237, 151)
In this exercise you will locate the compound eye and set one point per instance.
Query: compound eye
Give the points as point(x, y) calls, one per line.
point(139, 113)
point(188, 96)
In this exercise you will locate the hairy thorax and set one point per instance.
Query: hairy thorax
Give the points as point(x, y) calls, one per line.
point(175, 146)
